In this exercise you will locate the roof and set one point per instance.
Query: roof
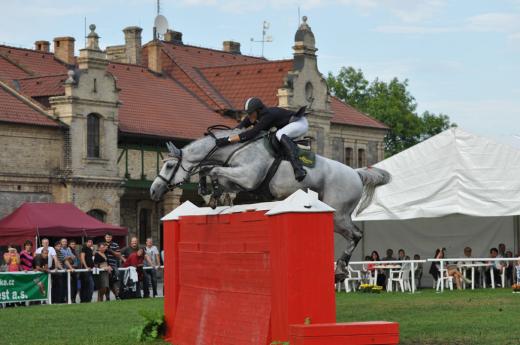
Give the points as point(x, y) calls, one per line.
point(52, 219)
point(238, 83)
point(347, 115)
point(160, 106)
point(42, 86)
point(15, 108)
point(35, 62)
point(454, 172)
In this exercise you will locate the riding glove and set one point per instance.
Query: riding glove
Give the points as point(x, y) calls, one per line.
point(222, 141)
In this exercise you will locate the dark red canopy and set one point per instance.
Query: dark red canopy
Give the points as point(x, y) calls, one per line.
point(52, 220)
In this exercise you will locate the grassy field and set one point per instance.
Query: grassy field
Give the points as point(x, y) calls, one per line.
point(452, 318)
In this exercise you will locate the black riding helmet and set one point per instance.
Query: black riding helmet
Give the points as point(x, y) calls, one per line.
point(253, 104)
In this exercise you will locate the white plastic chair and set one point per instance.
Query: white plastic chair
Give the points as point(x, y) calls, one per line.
point(448, 281)
point(353, 277)
point(401, 276)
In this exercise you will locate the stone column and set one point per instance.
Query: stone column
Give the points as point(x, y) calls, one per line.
point(172, 200)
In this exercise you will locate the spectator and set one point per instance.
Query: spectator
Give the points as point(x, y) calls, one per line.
point(87, 262)
point(75, 264)
point(113, 254)
point(418, 270)
point(101, 261)
point(132, 248)
point(501, 250)
point(12, 259)
point(50, 250)
point(59, 279)
point(468, 255)
point(495, 265)
point(26, 256)
point(381, 276)
point(150, 275)
point(136, 259)
point(453, 271)
point(510, 267)
point(41, 261)
point(401, 255)
point(518, 270)
point(435, 266)
point(389, 255)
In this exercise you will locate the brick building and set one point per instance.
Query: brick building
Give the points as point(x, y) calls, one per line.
point(91, 129)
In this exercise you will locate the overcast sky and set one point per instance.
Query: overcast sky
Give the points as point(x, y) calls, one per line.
point(461, 57)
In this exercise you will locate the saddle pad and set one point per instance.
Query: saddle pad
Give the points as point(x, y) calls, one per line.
point(307, 157)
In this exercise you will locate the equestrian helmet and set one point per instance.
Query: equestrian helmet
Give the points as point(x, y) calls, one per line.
point(253, 104)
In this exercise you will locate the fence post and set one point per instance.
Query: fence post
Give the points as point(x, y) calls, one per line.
point(69, 300)
point(49, 288)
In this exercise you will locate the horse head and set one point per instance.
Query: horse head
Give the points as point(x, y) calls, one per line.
point(172, 173)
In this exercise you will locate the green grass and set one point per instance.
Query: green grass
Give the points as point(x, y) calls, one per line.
point(453, 317)
point(108, 323)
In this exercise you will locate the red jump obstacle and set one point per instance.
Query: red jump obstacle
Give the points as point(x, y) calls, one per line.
point(257, 275)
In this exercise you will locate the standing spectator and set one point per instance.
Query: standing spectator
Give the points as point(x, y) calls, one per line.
point(101, 261)
point(136, 259)
point(75, 263)
point(418, 270)
point(150, 275)
point(41, 262)
point(59, 279)
point(12, 259)
point(389, 255)
point(132, 248)
point(495, 265)
point(52, 253)
point(87, 262)
point(113, 254)
point(26, 256)
point(401, 255)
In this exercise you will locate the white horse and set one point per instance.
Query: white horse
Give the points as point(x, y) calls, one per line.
point(244, 166)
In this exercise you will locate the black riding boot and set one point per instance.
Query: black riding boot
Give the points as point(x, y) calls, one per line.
point(291, 151)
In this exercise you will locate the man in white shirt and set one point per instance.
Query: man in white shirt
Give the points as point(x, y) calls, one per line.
point(52, 253)
point(150, 275)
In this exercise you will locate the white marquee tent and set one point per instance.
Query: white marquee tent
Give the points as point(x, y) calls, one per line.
point(453, 190)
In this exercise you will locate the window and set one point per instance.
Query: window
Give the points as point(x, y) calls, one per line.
point(145, 229)
point(361, 158)
point(98, 214)
point(92, 136)
point(348, 156)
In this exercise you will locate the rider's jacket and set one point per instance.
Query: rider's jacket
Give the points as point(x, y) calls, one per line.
point(268, 117)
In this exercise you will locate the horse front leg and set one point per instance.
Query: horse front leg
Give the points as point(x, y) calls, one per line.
point(230, 179)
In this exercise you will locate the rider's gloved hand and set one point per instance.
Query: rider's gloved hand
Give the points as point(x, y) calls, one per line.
point(222, 141)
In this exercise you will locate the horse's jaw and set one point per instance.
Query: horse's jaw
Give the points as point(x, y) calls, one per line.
point(157, 190)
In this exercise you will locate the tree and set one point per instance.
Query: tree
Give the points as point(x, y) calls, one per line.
point(390, 103)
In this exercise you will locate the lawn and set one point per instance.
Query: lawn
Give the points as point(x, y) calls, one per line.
point(453, 317)
point(458, 317)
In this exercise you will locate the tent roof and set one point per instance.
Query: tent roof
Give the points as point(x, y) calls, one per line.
point(52, 219)
point(454, 172)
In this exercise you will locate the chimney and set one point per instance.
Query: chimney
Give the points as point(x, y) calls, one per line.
point(42, 46)
point(154, 50)
point(173, 36)
point(64, 49)
point(231, 47)
point(133, 44)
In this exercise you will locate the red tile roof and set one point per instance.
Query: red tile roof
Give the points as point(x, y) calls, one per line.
point(42, 86)
point(14, 108)
point(238, 83)
point(36, 63)
point(9, 70)
point(160, 106)
point(348, 115)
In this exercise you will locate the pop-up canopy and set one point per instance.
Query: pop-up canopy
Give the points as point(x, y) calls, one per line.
point(52, 220)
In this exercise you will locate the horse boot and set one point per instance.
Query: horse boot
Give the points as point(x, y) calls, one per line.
point(291, 151)
point(215, 195)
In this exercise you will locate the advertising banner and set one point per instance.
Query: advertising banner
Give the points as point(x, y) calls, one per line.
point(19, 287)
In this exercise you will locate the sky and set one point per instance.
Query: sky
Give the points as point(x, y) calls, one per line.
point(461, 57)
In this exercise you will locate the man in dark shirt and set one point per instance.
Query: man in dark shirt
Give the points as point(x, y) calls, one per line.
point(132, 248)
point(289, 125)
point(113, 254)
point(87, 281)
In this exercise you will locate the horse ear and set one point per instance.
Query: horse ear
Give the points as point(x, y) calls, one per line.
point(174, 151)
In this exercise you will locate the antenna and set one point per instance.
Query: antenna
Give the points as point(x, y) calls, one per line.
point(85, 32)
point(299, 18)
point(265, 38)
point(158, 7)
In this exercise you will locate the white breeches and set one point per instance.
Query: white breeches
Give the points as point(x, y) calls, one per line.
point(294, 129)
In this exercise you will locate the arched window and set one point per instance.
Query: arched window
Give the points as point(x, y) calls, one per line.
point(145, 225)
point(93, 136)
point(98, 214)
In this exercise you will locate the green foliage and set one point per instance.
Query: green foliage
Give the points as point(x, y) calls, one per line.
point(390, 103)
point(153, 326)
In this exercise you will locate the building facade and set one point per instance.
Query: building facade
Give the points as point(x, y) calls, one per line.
point(91, 129)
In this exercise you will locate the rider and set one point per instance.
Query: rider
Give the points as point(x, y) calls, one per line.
point(289, 125)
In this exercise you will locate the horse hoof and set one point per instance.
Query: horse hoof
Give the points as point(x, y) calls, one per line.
point(213, 203)
point(227, 199)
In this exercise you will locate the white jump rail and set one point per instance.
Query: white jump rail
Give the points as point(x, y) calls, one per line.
point(399, 262)
point(79, 270)
point(459, 260)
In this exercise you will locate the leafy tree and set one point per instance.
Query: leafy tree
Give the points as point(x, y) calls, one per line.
point(390, 103)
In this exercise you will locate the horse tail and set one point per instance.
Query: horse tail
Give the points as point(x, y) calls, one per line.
point(371, 178)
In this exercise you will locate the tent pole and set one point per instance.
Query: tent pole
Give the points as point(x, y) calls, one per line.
point(363, 242)
point(516, 234)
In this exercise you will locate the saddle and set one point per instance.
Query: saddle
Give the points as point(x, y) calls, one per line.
point(306, 156)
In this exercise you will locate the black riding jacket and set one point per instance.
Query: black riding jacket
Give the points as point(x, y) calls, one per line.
point(268, 117)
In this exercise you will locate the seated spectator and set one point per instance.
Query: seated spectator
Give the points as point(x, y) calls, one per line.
point(501, 250)
point(510, 267)
point(87, 262)
point(418, 270)
point(389, 255)
point(12, 259)
point(381, 276)
point(435, 268)
point(453, 271)
point(468, 254)
point(101, 262)
point(495, 265)
point(401, 255)
point(26, 256)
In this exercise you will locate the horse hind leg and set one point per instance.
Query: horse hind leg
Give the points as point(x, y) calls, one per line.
point(352, 234)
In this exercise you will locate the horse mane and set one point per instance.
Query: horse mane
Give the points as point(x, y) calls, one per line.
point(218, 133)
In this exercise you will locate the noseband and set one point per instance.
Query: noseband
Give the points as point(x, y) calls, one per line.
point(168, 181)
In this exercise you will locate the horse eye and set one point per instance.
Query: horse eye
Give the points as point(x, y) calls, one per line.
point(169, 165)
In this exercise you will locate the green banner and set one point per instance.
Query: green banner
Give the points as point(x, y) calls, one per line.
point(18, 287)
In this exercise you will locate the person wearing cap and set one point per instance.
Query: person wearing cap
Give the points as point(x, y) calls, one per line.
point(289, 125)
